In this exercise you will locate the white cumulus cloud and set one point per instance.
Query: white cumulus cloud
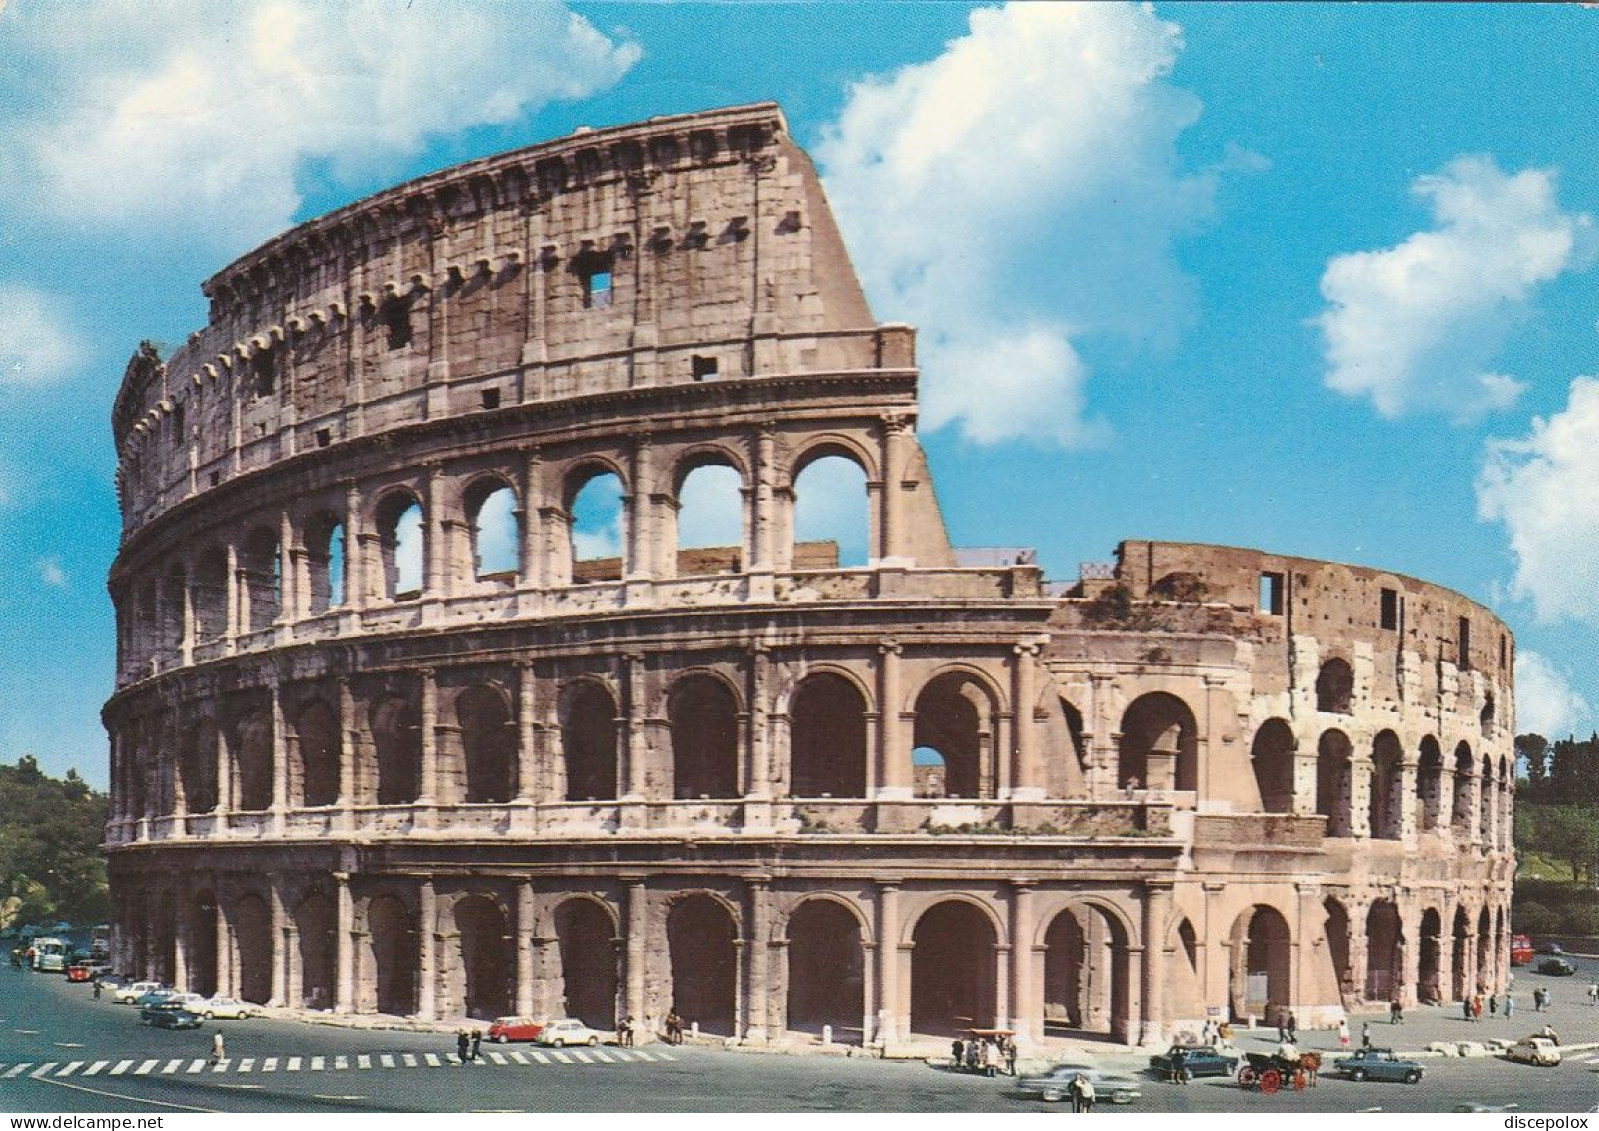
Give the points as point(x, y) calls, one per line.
point(1546, 704)
point(1544, 488)
point(1016, 196)
point(1416, 327)
point(37, 340)
point(206, 116)
point(51, 573)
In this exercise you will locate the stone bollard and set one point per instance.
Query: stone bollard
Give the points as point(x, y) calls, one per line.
point(827, 1034)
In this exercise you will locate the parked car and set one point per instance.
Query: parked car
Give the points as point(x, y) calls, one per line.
point(79, 972)
point(515, 1029)
point(1556, 967)
point(1379, 1064)
point(570, 1031)
point(225, 1008)
point(1198, 1060)
point(1551, 947)
point(1054, 1085)
point(1534, 1050)
point(189, 1001)
point(155, 997)
point(133, 991)
point(169, 1015)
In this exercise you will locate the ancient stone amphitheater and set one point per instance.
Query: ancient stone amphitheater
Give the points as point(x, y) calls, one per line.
point(398, 730)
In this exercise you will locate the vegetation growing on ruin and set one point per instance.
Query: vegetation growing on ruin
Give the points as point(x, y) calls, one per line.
point(51, 867)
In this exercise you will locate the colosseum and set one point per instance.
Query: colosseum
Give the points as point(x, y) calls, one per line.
point(402, 729)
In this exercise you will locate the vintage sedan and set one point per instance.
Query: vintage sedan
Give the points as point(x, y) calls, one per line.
point(515, 1029)
point(1198, 1060)
point(570, 1031)
point(1535, 1050)
point(169, 1015)
point(1556, 968)
point(1055, 1085)
point(1379, 1064)
point(225, 1008)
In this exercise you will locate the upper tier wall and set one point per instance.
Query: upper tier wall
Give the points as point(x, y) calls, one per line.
point(683, 249)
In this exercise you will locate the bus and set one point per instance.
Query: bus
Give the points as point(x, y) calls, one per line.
point(50, 955)
point(1520, 950)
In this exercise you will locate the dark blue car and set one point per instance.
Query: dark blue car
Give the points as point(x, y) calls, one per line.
point(1379, 1064)
point(1198, 1060)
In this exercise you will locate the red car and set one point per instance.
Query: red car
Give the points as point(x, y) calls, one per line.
point(78, 972)
point(1520, 950)
point(515, 1029)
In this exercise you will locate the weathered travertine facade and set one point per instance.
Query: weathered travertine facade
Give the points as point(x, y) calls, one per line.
point(358, 766)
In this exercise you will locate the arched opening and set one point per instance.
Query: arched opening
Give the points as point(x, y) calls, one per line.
point(1500, 949)
point(201, 950)
point(1465, 778)
point(588, 962)
point(1335, 782)
point(828, 738)
point(488, 744)
point(1387, 787)
point(491, 516)
point(1086, 974)
point(1429, 987)
point(397, 742)
point(701, 939)
point(324, 556)
point(1335, 687)
point(595, 532)
point(251, 742)
point(391, 946)
point(261, 572)
point(952, 970)
point(164, 939)
point(210, 598)
point(955, 718)
point(316, 922)
point(1336, 929)
point(1385, 961)
point(703, 716)
point(197, 765)
point(832, 519)
point(710, 520)
point(826, 968)
point(1486, 717)
point(485, 957)
point(1486, 802)
point(1502, 801)
point(402, 546)
point(1272, 755)
point(588, 740)
point(1462, 963)
point(1484, 948)
point(929, 776)
point(1159, 744)
point(252, 935)
point(1260, 982)
point(1429, 785)
point(314, 780)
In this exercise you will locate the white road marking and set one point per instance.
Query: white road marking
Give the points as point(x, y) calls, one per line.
point(18, 1070)
point(562, 1057)
point(318, 1063)
point(197, 1066)
point(222, 1065)
point(666, 1056)
point(96, 1068)
point(41, 1070)
point(363, 1061)
point(599, 1056)
point(71, 1068)
point(582, 1057)
point(29, 1032)
point(410, 1061)
point(144, 1069)
point(247, 1065)
point(386, 1059)
point(538, 1056)
point(340, 1062)
point(270, 1064)
point(122, 1066)
point(496, 1057)
point(293, 1065)
point(518, 1057)
point(338, 1097)
point(171, 1066)
point(431, 1058)
point(68, 1045)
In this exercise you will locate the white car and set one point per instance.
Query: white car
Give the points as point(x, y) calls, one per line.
point(569, 1031)
point(1535, 1050)
point(129, 994)
point(226, 1008)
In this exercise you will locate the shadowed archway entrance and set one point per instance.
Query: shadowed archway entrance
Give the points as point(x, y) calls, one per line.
point(952, 970)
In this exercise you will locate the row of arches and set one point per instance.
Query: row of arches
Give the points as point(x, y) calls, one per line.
point(307, 565)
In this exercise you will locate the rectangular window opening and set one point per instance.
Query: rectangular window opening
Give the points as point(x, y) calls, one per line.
point(597, 290)
point(1271, 594)
point(324, 437)
point(1390, 609)
point(704, 368)
point(1464, 642)
point(491, 398)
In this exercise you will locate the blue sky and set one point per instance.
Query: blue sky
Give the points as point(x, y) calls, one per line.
point(1309, 278)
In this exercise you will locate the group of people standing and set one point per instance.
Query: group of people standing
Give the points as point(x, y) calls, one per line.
point(985, 1054)
point(468, 1044)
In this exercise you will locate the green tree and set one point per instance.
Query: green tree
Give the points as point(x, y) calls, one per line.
point(1532, 753)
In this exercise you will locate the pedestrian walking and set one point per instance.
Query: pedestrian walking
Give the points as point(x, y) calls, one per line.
point(97, 989)
point(1343, 1035)
point(1465, 1008)
point(1365, 1034)
point(1593, 993)
point(1476, 1008)
point(1179, 1066)
point(1396, 1012)
point(463, 1045)
point(1082, 1093)
point(1510, 1005)
point(1293, 1025)
point(219, 1049)
point(1010, 1056)
point(1493, 1005)
point(957, 1052)
point(477, 1044)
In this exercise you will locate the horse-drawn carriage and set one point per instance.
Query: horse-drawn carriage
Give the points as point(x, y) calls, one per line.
point(1270, 1071)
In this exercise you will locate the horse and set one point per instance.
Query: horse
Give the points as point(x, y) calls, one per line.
point(1310, 1065)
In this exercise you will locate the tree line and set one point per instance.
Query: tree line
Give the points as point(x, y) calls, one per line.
point(51, 865)
point(1557, 818)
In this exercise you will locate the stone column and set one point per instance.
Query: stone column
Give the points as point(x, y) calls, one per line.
point(356, 583)
point(526, 716)
point(344, 1000)
point(427, 951)
point(230, 637)
point(888, 1020)
point(525, 926)
point(637, 942)
point(633, 692)
point(280, 949)
point(762, 514)
point(892, 430)
point(1027, 781)
point(640, 563)
point(289, 563)
point(430, 740)
point(1359, 953)
point(893, 762)
point(227, 983)
point(758, 898)
point(224, 775)
point(436, 551)
point(531, 570)
point(348, 748)
point(1026, 1001)
point(757, 778)
point(280, 760)
point(186, 643)
point(1157, 910)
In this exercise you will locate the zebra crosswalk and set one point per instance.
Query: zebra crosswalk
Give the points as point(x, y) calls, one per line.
point(359, 1062)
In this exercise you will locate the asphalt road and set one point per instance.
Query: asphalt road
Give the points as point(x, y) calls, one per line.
point(61, 1051)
